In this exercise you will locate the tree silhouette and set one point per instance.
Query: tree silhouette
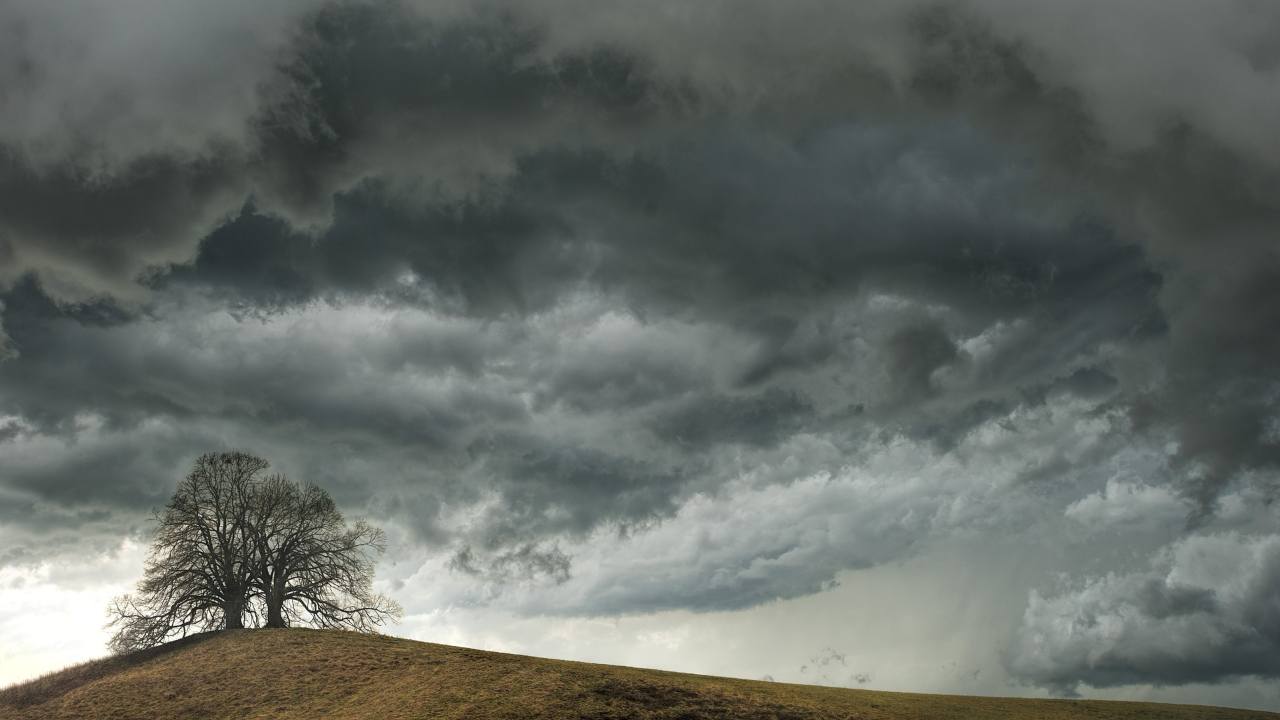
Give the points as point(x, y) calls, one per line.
point(197, 576)
point(232, 544)
point(310, 567)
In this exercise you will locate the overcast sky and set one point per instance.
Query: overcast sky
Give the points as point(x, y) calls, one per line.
point(920, 345)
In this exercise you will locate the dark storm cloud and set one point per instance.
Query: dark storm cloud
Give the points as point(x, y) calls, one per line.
point(551, 489)
point(7, 351)
point(1200, 178)
point(852, 203)
point(526, 562)
point(482, 256)
point(147, 367)
point(456, 251)
point(90, 495)
point(1215, 223)
point(451, 438)
point(361, 89)
point(367, 87)
point(122, 221)
point(1087, 382)
point(618, 376)
point(121, 144)
point(365, 75)
point(915, 352)
point(726, 218)
point(569, 268)
point(756, 420)
point(10, 430)
point(1159, 600)
point(948, 430)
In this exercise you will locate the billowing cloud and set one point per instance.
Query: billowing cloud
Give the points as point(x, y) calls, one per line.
point(1124, 503)
point(1204, 612)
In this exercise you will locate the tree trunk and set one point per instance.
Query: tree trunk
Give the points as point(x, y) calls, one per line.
point(275, 606)
point(233, 615)
point(275, 618)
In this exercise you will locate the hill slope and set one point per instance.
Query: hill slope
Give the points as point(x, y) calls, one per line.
point(312, 673)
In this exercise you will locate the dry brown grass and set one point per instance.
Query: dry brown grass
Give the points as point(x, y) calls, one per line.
point(325, 674)
point(61, 682)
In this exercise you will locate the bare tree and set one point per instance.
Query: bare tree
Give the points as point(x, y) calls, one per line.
point(231, 543)
point(199, 573)
point(310, 566)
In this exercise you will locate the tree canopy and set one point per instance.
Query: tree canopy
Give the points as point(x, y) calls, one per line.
point(235, 544)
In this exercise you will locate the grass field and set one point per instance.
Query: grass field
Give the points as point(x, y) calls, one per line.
point(313, 674)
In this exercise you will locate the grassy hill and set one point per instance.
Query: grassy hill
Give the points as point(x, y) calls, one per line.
point(313, 673)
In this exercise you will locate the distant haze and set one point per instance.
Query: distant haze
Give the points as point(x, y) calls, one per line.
point(909, 345)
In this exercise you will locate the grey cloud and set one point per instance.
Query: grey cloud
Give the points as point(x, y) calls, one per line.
point(619, 377)
point(107, 83)
point(1199, 172)
point(639, 228)
point(15, 555)
point(7, 351)
point(64, 496)
point(752, 540)
point(450, 73)
point(552, 488)
point(105, 110)
point(915, 352)
point(1130, 504)
point(1087, 382)
point(524, 563)
point(757, 420)
point(324, 99)
point(1161, 600)
point(1204, 613)
point(361, 73)
point(1199, 65)
point(787, 344)
point(950, 428)
point(342, 99)
point(149, 367)
point(116, 477)
point(10, 430)
point(151, 212)
point(530, 244)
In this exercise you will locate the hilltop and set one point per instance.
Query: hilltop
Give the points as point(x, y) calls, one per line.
point(314, 673)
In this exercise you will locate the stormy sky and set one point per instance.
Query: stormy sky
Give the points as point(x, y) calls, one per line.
point(925, 345)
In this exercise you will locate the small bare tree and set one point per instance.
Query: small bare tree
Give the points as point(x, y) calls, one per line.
point(310, 566)
point(231, 543)
point(199, 573)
